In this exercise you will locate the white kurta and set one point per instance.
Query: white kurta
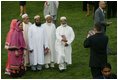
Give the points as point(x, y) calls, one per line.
point(37, 43)
point(64, 53)
point(51, 36)
point(50, 8)
point(25, 35)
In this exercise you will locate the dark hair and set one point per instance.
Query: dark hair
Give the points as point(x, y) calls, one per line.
point(107, 65)
point(98, 26)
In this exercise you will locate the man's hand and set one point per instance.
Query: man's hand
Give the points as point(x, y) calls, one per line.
point(46, 50)
point(91, 33)
point(6, 47)
point(66, 44)
point(108, 23)
point(30, 51)
point(64, 38)
point(16, 53)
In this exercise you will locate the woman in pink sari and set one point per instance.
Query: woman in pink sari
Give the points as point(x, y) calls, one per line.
point(16, 47)
point(12, 28)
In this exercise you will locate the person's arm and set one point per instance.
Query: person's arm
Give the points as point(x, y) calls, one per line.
point(58, 36)
point(87, 43)
point(72, 37)
point(30, 38)
point(7, 42)
point(90, 33)
point(54, 32)
point(45, 38)
point(97, 18)
point(104, 23)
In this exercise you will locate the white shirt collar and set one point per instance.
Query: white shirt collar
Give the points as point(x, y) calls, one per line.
point(101, 9)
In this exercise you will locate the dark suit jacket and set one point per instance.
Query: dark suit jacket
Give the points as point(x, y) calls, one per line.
point(98, 49)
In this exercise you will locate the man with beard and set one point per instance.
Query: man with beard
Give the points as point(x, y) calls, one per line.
point(26, 25)
point(64, 38)
point(51, 30)
point(37, 44)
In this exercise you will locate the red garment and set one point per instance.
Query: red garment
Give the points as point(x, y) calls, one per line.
point(17, 44)
point(9, 34)
point(12, 28)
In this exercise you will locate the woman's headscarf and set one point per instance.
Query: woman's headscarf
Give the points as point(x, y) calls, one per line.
point(12, 28)
point(17, 40)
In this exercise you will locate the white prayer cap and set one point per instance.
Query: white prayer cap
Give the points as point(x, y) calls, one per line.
point(37, 16)
point(63, 18)
point(24, 15)
point(47, 16)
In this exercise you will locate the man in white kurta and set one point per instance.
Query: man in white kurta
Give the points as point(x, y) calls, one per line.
point(51, 36)
point(37, 44)
point(51, 8)
point(26, 25)
point(64, 37)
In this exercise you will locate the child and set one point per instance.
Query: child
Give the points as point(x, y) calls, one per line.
point(106, 72)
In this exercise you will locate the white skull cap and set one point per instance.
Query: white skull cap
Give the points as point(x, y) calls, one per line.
point(47, 16)
point(63, 18)
point(37, 16)
point(24, 15)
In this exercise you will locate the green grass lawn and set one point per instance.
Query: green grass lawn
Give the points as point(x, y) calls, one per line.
point(81, 25)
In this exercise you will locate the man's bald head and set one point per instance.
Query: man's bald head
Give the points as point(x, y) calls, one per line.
point(102, 4)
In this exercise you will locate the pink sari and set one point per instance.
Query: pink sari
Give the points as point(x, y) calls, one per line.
point(17, 45)
point(9, 34)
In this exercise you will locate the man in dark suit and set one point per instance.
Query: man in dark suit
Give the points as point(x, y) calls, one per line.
point(98, 50)
point(99, 16)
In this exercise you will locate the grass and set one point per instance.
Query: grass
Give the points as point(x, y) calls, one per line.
point(81, 25)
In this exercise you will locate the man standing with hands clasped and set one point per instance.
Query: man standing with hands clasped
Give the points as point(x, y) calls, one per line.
point(50, 29)
point(38, 44)
point(64, 37)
